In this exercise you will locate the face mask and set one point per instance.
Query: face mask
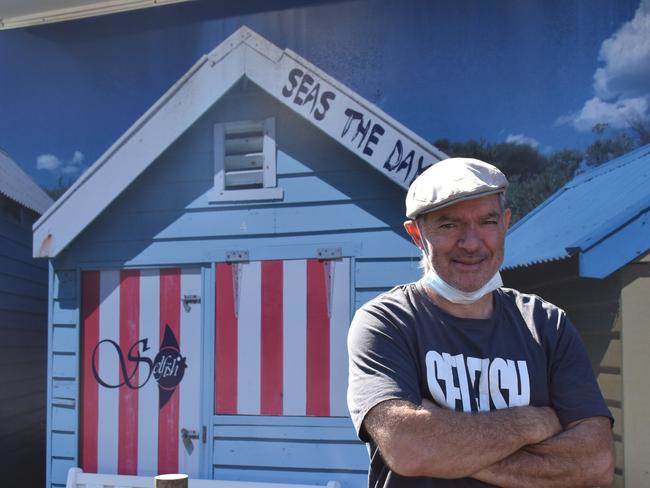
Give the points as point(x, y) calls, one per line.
point(441, 287)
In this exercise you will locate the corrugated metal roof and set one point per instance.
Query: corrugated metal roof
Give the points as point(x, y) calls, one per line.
point(17, 185)
point(590, 207)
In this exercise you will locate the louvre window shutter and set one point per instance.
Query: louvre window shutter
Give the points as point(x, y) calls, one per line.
point(245, 161)
point(244, 155)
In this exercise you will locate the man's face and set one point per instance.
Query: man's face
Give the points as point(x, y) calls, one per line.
point(465, 241)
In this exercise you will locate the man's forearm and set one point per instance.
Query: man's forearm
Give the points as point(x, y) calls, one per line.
point(579, 456)
point(435, 442)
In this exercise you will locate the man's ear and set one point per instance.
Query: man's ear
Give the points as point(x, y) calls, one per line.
point(507, 214)
point(414, 231)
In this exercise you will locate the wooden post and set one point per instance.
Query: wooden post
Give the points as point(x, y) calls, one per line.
point(171, 481)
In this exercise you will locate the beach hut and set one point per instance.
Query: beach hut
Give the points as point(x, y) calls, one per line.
point(204, 270)
point(587, 249)
point(23, 328)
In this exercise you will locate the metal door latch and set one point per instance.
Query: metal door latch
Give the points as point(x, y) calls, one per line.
point(187, 436)
point(189, 299)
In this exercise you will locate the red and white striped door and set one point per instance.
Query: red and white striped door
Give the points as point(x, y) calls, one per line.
point(141, 369)
point(280, 342)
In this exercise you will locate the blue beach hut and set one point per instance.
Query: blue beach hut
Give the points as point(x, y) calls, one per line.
point(204, 270)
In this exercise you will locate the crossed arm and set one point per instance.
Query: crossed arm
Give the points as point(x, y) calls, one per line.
point(518, 447)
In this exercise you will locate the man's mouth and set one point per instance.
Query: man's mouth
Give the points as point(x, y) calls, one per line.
point(468, 263)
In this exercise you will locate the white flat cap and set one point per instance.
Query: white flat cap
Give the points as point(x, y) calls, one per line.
point(451, 181)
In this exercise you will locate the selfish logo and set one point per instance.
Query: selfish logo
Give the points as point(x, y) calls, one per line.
point(167, 368)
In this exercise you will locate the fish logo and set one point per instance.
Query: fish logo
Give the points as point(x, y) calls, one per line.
point(168, 366)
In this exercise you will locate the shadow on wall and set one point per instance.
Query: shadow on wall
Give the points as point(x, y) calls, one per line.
point(165, 216)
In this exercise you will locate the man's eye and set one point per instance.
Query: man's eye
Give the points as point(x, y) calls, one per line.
point(491, 222)
point(448, 226)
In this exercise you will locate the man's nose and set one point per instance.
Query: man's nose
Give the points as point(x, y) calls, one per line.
point(470, 241)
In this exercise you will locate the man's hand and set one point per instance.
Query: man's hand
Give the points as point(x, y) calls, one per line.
point(582, 455)
point(439, 443)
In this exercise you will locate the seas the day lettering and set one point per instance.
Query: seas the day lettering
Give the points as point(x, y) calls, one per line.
point(307, 91)
point(304, 90)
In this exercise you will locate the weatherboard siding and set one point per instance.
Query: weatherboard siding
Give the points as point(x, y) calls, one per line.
point(23, 352)
point(288, 449)
point(594, 307)
point(63, 377)
point(331, 200)
point(635, 310)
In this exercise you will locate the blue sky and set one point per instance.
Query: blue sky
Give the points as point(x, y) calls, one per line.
point(541, 72)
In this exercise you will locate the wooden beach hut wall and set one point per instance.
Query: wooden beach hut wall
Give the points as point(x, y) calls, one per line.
point(205, 269)
point(23, 328)
point(587, 249)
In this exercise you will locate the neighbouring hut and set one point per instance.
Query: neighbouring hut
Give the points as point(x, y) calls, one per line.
point(587, 249)
point(23, 329)
point(205, 269)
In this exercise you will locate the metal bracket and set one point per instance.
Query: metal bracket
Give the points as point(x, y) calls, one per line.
point(329, 253)
point(189, 299)
point(236, 256)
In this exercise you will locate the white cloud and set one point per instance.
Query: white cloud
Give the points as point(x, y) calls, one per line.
point(622, 84)
point(617, 114)
point(522, 139)
point(74, 165)
point(48, 162)
point(77, 158)
point(626, 59)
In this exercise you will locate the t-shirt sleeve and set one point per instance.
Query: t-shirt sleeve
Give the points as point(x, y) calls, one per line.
point(573, 388)
point(382, 366)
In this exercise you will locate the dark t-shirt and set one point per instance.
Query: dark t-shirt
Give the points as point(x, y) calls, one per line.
point(402, 346)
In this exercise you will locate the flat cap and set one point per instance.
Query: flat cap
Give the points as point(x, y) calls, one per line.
point(451, 181)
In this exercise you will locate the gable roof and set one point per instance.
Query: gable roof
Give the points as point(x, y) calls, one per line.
point(357, 124)
point(600, 215)
point(18, 186)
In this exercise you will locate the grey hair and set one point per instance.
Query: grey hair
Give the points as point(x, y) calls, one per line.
point(502, 201)
point(424, 264)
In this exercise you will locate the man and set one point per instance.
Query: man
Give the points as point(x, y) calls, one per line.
point(457, 382)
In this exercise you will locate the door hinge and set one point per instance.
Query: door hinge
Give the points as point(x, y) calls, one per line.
point(329, 253)
point(204, 434)
point(237, 256)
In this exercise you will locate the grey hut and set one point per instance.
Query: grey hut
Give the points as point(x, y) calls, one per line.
point(23, 329)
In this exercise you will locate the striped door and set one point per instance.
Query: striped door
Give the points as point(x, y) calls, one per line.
point(141, 365)
point(281, 330)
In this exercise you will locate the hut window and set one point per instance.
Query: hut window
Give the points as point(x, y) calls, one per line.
point(244, 161)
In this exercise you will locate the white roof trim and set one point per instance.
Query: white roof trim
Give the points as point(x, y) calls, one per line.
point(27, 13)
point(244, 53)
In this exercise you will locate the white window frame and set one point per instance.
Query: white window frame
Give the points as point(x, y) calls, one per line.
point(269, 189)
